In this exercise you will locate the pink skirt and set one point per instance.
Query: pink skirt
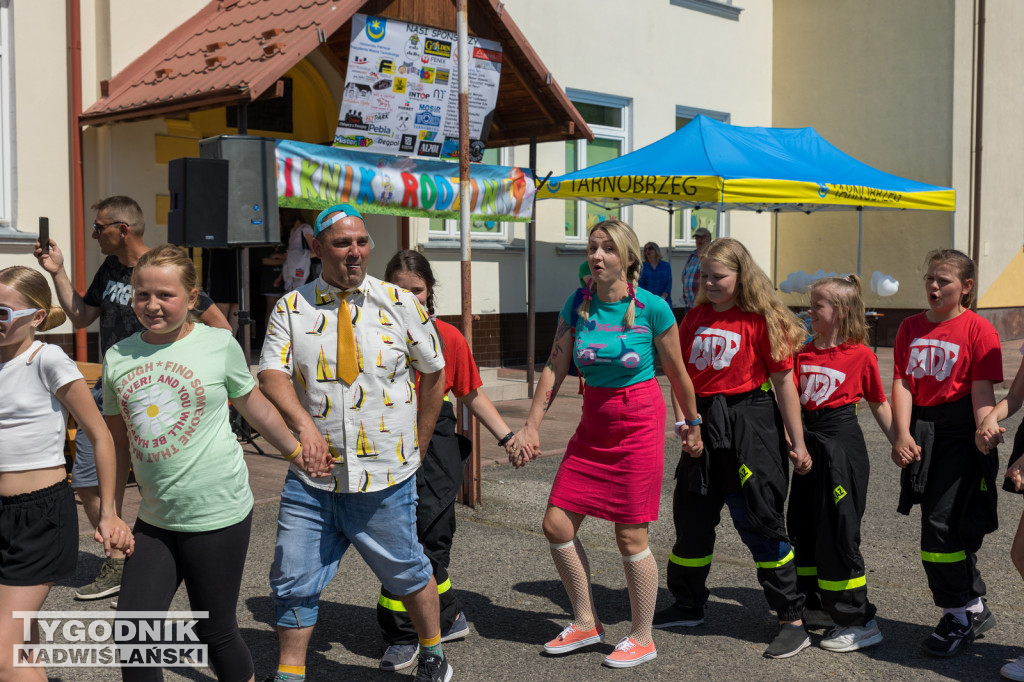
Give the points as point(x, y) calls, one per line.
point(613, 464)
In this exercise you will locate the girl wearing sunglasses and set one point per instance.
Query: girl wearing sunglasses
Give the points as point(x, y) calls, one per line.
point(38, 520)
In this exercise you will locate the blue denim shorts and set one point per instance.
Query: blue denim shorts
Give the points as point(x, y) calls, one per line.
point(83, 474)
point(315, 527)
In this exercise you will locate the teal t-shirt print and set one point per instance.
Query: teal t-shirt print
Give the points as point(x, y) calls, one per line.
point(611, 355)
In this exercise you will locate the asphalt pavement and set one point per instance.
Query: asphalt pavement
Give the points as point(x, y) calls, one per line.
point(514, 601)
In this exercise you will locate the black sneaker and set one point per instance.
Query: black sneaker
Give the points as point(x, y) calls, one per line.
point(677, 616)
point(433, 669)
point(791, 640)
point(949, 637)
point(983, 621)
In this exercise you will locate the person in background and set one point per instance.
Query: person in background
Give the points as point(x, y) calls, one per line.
point(656, 274)
point(118, 229)
point(295, 271)
point(691, 270)
point(220, 277)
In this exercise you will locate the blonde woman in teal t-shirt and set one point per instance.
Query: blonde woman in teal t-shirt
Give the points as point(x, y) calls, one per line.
point(612, 467)
point(166, 393)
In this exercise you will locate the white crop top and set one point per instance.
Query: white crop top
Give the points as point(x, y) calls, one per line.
point(32, 421)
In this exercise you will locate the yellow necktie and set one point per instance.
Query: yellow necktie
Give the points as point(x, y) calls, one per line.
point(348, 369)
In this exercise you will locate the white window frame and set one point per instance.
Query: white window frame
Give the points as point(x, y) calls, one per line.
point(723, 216)
point(622, 134)
point(6, 118)
point(451, 227)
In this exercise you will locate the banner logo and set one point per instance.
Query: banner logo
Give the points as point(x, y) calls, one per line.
point(375, 27)
point(95, 639)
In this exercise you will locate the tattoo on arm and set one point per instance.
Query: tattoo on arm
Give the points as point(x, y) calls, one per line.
point(562, 330)
point(549, 397)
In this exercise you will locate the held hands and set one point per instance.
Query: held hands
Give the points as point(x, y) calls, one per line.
point(801, 459)
point(989, 435)
point(905, 450)
point(523, 447)
point(315, 458)
point(51, 261)
point(690, 435)
point(113, 533)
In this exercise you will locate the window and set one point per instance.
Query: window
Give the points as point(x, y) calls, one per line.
point(609, 118)
point(689, 220)
point(717, 8)
point(479, 227)
point(6, 119)
point(273, 115)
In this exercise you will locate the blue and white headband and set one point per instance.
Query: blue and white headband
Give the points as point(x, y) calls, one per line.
point(341, 211)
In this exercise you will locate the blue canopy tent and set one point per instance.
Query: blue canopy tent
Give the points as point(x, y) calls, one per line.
point(708, 164)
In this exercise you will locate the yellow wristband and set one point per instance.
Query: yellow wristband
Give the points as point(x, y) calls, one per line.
point(295, 452)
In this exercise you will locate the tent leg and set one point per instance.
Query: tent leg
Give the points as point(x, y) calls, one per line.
point(860, 234)
point(775, 252)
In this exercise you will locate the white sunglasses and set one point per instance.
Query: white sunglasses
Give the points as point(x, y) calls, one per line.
point(6, 314)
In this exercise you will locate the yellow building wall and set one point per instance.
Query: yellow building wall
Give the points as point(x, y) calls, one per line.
point(1002, 201)
point(875, 78)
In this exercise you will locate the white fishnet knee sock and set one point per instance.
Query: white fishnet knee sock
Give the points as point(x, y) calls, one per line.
point(574, 570)
point(642, 580)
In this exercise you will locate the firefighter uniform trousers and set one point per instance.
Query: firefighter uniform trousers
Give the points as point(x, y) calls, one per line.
point(955, 485)
point(745, 465)
point(825, 511)
point(437, 483)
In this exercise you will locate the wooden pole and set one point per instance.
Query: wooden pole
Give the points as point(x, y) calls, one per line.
point(471, 480)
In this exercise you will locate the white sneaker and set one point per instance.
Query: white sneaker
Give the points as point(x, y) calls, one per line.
point(854, 637)
point(1014, 670)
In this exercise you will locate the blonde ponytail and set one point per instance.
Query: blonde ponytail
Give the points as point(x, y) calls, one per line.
point(55, 317)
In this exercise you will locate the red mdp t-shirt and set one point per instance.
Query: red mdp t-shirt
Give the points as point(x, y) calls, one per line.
point(727, 352)
point(460, 373)
point(940, 361)
point(833, 377)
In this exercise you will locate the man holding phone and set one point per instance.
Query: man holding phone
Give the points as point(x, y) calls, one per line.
point(118, 228)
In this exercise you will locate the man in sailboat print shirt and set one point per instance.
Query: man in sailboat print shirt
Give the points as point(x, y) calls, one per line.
point(361, 437)
point(368, 426)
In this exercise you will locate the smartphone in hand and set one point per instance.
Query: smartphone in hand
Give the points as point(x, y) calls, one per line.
point(44, 234)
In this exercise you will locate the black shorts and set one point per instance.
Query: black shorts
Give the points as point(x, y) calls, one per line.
point(38, 536)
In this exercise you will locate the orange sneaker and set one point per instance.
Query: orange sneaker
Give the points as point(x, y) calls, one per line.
point(628, 653)
point(573, 638)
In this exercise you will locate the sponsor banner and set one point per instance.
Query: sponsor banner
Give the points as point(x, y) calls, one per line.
point(402, 80)
point(697, 190)
point(315, 177)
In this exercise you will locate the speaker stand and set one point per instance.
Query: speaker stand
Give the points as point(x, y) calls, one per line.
point(241, 428)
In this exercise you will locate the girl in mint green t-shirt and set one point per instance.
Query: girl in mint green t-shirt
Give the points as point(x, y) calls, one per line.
point(166, 393)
